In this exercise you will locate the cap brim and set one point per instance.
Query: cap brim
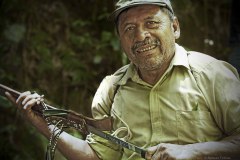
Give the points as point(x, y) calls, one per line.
point(117, 12)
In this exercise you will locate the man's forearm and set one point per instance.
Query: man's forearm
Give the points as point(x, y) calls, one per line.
point(227, 148)
point(74, 148)
point(71, 147)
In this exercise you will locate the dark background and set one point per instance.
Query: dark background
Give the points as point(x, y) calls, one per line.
point(63, 49)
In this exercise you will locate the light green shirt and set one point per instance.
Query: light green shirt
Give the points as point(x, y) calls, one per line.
point(196, 100)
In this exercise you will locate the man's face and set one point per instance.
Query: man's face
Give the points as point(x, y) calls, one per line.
point(147, 36)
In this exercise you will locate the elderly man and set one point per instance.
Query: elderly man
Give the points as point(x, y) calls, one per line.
point(173, 103)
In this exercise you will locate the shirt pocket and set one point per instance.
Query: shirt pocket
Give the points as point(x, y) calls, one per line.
point(196, 126)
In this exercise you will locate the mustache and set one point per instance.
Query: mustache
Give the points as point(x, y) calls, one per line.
point(146, 41)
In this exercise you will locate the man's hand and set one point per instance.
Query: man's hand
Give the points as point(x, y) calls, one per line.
point(227, 148)
point(166, 151)
point(24, 103)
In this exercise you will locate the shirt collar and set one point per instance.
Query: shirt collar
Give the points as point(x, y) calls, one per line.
point(180, 59)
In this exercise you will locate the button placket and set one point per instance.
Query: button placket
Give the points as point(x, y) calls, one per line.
point(155, 115)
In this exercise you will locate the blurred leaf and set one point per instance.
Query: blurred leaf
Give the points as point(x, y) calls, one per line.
point(80, 23)
point(97, 59)
point(14, 32)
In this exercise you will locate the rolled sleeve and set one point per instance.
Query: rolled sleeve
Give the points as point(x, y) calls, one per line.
point(103, 148)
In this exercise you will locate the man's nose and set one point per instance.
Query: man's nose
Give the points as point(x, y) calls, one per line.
point(141, 34)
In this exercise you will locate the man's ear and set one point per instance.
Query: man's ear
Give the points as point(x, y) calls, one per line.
point(176, 28)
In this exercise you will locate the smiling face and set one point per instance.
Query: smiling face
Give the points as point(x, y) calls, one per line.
point(147, 36)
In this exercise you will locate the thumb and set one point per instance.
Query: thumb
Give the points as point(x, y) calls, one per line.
point(150, 152)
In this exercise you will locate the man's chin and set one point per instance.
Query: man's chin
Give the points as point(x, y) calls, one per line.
point(150, 67)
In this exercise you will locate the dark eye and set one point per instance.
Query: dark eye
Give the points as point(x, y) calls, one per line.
point(129, 28)
point(152, 24)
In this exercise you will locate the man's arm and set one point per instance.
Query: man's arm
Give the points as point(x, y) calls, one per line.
point(228, 148)
point(71, 147)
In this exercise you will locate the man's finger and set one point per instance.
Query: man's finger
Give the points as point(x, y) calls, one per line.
point(150, 152)
point(30, 103)
point(29, 97)
point(22, 95)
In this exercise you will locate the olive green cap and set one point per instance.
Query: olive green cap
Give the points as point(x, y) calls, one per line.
point(121, 5)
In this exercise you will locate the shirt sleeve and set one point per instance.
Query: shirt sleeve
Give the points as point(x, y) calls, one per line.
point(101, 106)
point(103, 148)
point(221, 86)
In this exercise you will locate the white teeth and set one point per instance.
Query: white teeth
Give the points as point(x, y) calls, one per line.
point(146, 49)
